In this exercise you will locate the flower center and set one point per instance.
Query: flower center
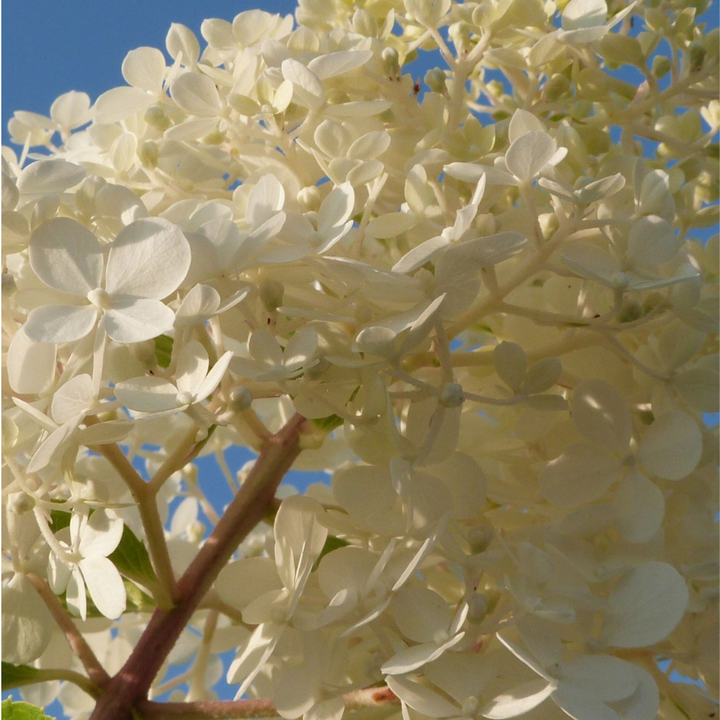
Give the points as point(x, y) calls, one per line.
point(184, 398)
point(441, 636)
point(470, 707)
point(100, 298)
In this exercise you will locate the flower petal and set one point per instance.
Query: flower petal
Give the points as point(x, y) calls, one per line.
point(149, 258)
point(104, 585)
point(645, 606)
point(27, 626)
point(60, 323)
point(582, 473)
point(518, 701)
point(137, 319)
point(601, 414)
point(192, 367)
point(672, 446)
point(66, 256)
point(147, 394)
point(529, 154)
point(49, 176)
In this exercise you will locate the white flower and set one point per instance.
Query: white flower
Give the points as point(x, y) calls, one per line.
point(85, 563)
point(268, 592)
point(195, 382)
point(147, 261)
point(271, 362)
point(584, 21)
point(425, 618)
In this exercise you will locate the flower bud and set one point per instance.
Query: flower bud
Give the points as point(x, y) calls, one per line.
point(451, 395)
point(391, 62)
point(195, 531)
point(697, 54)
point(480, 538)
point(148, 154)
point(459, 33)
point(309, 198)
point(240, 399)
point(661, 66)
point(19, 503)
point(436, 79)
point(155, 117)
point(8, 285)
point(556, 87)
point(271, 293)
point(470, 707)
point(549, 224)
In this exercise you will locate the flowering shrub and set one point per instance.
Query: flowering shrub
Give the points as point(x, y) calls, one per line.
point(477, 300)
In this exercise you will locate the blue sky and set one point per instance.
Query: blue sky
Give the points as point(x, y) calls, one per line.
point(52, 46)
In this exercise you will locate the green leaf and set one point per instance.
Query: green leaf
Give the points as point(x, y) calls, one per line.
point(59, 519)
point(137, 600)
point(131, 558)
point(22, 711)
point(329, 423)
point(16, 675)
point(163, 350)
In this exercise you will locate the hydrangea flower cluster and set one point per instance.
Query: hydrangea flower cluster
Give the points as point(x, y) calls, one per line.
point(478, 300)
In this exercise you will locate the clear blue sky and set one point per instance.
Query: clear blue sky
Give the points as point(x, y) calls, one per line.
point(52, 46)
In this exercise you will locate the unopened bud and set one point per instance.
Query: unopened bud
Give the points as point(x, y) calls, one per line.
point(8, 284)
point(195, 531)
point(100, 298)
point(470, 707)
point(661, 66)
point(184, 398)
point(557, 86)
point(156, 117)
point(20, 502)
point(240, 399)
point(480, 538)
point(148, 154)
point(697, 54)
point(620, 280)
point(271, 293)
point(459, 33)
point(391, 62)
point(436, 79)
point(309, 198)
point(451, 395)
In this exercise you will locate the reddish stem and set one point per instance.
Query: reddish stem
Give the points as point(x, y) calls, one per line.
point(248, 507)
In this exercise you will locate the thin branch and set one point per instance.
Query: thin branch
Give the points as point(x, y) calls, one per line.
point(54, 674)
point(220, 710)
point(96, 672)
point(154, 531)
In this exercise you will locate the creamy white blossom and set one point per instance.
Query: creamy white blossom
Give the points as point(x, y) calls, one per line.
point(483, 302)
